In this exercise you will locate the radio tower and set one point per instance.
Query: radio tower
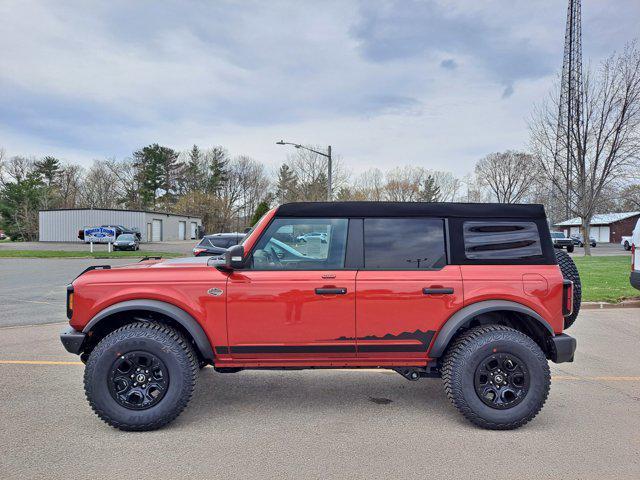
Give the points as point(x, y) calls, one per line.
point(570, 109)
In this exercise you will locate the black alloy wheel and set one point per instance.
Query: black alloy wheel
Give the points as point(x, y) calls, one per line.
point(502, 380)
point(138, 380)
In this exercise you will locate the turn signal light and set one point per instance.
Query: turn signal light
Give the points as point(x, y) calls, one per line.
point(69, 301)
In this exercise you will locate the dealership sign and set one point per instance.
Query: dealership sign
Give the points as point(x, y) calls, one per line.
point(100, 235)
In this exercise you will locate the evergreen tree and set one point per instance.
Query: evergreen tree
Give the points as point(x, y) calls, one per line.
point(156, 172)
point(429, 190)
point(261, 209)
point(217, 159)
point(286, 185)
point(48, 168)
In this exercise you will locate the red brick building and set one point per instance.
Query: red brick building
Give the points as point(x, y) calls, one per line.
point(606, 227)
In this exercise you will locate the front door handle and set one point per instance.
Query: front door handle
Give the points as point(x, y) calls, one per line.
point(437, 291)
point(331, 291)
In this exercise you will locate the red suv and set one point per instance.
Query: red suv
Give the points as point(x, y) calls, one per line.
point(472, 293)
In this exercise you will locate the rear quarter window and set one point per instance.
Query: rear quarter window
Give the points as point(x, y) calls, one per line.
point(498, 240)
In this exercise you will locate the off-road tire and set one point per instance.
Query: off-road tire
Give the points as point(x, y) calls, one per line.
point(627, 246)
point(570, 248)
point(165, 343)
point(570, 272)
point(462, 360)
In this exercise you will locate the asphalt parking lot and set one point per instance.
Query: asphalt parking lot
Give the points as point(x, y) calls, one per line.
point(306, 424)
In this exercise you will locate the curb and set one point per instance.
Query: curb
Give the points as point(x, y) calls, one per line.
point(601, 305)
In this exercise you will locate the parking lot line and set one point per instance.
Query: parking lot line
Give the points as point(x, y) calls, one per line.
point(37, 362)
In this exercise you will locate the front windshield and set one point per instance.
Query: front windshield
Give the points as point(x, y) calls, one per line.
point(125, 237)
point(557, 235)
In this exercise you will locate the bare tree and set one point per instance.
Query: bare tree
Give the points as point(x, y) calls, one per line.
point(369, 185)
point(98, 187)
point(508, 175)
point(311, 171)
point(606, 135)
point(448, 184)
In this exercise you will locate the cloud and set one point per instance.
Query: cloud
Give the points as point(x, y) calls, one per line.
point(87, 79)
point(449, 64)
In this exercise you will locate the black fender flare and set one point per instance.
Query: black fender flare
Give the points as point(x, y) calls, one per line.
point(464, 315)
point(175, 313)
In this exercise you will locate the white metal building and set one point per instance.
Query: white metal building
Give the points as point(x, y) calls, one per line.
point(62, 225)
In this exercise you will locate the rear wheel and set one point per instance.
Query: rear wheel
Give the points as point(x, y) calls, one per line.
point(141, 376)
point(570, 272)
point(497, 377)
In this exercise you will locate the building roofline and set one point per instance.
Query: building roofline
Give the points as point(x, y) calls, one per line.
point(119, 210)
point(573, 222)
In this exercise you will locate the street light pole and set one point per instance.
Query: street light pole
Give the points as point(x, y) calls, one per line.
point(329, 176)
point(329, 164)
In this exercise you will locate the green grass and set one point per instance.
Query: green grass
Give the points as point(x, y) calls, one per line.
point(81, 254)
point(605, 279)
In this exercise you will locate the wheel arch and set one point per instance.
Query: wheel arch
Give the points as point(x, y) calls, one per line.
point(119, 314)
point(487, 312)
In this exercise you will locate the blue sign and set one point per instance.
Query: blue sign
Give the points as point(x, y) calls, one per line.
point(100, 235)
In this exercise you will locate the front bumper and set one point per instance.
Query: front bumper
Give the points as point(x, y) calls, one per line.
point(72, 340)
point(634, 278)
point(563, 348)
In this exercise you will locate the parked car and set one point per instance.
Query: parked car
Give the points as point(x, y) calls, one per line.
point(120, 229)
point(561, 241)
point(216, 244)
point(626, 242)
point(472, 293)
point(308, 236)
point(634, 278)
point(579, 240)
point(126, 241)
point(2, 236)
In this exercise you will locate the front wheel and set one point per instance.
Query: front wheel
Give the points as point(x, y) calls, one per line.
point(570, 248)
point(497, 377)
point(627, 247)
point(141, 376)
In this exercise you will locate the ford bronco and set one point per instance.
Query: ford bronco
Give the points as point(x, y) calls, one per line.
point(472, 293)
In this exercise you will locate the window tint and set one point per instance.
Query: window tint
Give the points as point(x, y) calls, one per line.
point(501, 240)
point(404, 243)
point(302, 244)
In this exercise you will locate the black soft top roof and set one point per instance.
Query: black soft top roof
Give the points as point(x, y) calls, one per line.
point(410, 209)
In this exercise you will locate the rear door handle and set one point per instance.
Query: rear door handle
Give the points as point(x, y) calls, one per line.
point(437, 291)
point(331, 291)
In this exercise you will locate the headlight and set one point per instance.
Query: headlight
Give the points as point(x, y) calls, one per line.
point(132, 243)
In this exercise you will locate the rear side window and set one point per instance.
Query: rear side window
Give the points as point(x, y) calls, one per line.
point(501, 240)
point(404, 243)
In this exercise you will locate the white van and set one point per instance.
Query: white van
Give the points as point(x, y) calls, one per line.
point(635, 257)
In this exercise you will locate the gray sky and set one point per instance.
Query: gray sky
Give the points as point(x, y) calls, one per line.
point(435, 83)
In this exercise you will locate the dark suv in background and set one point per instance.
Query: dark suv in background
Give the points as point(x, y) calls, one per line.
point(216, 244)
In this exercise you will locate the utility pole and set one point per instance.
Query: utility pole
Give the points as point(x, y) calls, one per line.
point(327, 155)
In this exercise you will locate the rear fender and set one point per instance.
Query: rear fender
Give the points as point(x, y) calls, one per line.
point(466, 314)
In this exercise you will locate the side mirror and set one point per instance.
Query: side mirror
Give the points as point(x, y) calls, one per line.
point(234, 257)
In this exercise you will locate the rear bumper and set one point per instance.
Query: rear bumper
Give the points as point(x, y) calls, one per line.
point(72, 340)
point(563, 348)
point(635, 279)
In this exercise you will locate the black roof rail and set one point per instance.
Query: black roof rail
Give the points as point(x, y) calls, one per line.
point(144, 259)
point(94, 267)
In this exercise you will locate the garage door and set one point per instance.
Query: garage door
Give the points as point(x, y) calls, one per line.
point(156, 234)
point(194, 230)
point(182, 230)
point(601, 234)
